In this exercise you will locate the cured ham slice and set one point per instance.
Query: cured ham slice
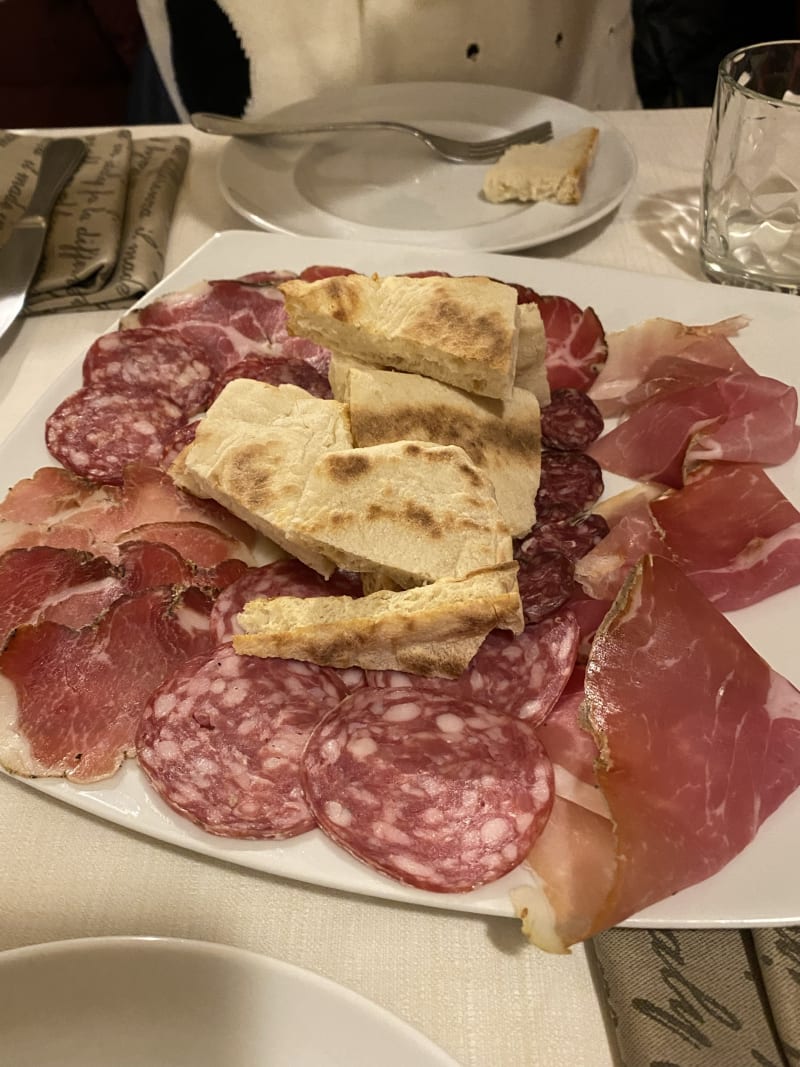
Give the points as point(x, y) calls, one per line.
point(221, 741)
point(699, 739)
point(71, 700)
point(576, 343)
point(740, 418)
point(634, 352)
point(50, 495)
point(426, 788)
point(735, 564)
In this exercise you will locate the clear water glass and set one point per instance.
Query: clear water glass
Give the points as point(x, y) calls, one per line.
point(750, 222)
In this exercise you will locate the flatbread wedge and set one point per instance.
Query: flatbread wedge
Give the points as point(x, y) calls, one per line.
point(434, 630)
point(462, 331)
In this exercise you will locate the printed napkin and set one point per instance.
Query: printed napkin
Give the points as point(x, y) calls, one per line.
point(108, 233)
point(701, 998)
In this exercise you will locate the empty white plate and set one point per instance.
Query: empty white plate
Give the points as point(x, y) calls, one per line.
point(142, 1002)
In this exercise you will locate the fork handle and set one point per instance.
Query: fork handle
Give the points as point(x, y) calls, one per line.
point(227, 126)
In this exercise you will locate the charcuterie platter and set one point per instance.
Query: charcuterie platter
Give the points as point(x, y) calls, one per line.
point(757, 886)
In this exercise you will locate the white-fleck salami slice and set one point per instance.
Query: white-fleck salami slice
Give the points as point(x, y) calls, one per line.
point(221, 741)
point(96, 432)
point(430, 789)
point(155, 359)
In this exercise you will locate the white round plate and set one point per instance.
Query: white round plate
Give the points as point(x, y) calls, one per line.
point(130, 1001)
point(388, 186)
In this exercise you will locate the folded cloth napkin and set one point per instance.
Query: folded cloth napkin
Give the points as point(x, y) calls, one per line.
point(700, 998)
point(108, 232)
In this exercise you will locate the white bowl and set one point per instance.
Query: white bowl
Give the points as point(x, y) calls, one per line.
point(159, 1002)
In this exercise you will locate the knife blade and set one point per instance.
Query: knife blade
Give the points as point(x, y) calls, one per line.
point(21, 253)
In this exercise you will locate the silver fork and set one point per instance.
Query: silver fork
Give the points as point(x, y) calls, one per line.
point(448, 147)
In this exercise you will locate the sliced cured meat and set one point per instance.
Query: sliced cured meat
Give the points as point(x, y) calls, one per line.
point(735, 564)
point(522, 676)
point(277, 370)
point(161, 360)
point(571, 421)
point(197, 542)
point(569, 484)
point(228, 319)
point(284, 577)
point(316, 356)
point(267, 277)
point(221, 575)
point(571, 746)
point(97, 432)
point(576, 342)
point(573, 538)
point(52, 494)
point(182, 437)
point(61, 535)
point(546, 581)
point(61, 584)
point(740, 418)
point(147, 565)
point(221, 741)
point(633, 353)
point(431, 790)
point(700, 738)
point(588, 612)
point(73, 698)
point(317, 272)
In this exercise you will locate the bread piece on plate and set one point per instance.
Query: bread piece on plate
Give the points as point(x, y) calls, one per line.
point(555, 170)
point(434, 630)
point(502, 438)
point(531, 368)
point(463, 331)
point(253, 453)
point(412, 510)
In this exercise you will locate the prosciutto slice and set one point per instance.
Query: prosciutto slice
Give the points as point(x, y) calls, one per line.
point(633, 354)
point(740, 418)
point(735, 564)
point(699, 743)
point(71, 700)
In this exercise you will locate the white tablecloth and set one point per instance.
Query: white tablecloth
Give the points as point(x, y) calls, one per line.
point(470, 983)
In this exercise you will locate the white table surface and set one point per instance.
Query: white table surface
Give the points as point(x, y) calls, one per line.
point(470, 983)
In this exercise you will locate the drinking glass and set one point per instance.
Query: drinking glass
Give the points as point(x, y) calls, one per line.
point(750, 224)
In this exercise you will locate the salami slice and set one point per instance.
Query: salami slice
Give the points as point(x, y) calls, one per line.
point(572, 537)
point(96, 432)
point(546, 581)
point(221, 741)
point(285, 577)
point(277, 370)
point(569, 484)
point(427, 788)
point(160, 360)
point(571, 421)
point(183, 436)
point(522, 675)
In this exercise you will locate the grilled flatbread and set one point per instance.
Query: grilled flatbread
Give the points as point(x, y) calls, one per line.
point(462, 331)
point(434, 630)
point(253, 453)
point(502, 438)
point(412, 510)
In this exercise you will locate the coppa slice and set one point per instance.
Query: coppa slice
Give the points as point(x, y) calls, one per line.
point(412, 510)
point(462, 331)
point(436, 792)
point(71, 700)
point(221, 741)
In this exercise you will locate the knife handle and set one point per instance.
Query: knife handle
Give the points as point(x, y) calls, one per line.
point(60, 159)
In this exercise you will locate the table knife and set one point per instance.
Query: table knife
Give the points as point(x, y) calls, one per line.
point(21, 253)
